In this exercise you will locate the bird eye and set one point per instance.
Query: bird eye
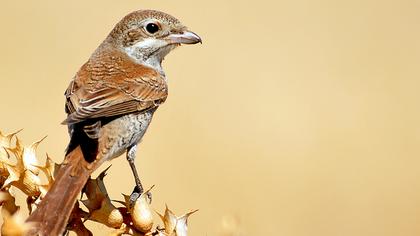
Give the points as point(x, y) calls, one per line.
point(152, 28)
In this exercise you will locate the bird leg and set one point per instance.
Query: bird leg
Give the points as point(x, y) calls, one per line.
point(138, 190)
point(131, 156)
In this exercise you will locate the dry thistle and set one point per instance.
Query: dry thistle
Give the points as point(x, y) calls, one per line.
point(175, 225)
point(99, 204)
point(24, 175)
point(20, 168)
point(140, 211)
point(49, 169)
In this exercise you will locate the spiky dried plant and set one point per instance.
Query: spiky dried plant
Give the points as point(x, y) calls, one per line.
point(20, 169)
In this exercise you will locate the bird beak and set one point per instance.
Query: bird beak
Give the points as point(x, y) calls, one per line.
point(186, 37)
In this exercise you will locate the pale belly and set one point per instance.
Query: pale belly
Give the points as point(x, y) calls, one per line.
point(118, 135)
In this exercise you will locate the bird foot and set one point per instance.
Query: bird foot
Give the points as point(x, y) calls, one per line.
point(137, 192)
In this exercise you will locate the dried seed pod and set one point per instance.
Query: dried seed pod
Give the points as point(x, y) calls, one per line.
point(107, 214)
point(95, 191)
point(99, 204)
point(181, 224)
point(141, 214)
point(169, 221)
point(175, 225)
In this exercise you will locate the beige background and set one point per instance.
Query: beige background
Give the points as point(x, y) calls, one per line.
point(292, 118)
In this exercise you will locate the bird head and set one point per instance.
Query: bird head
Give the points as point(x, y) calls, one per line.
point(147, 36)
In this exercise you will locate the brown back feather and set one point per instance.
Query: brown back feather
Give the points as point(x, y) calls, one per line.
point(112, 84)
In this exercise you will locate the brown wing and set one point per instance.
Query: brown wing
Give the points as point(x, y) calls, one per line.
point(112, 84)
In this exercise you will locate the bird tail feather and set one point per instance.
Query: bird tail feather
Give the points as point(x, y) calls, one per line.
point(52, 214)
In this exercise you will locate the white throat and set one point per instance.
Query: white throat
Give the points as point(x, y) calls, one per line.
point(146, 53)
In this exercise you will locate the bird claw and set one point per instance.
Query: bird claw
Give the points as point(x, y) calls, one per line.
point(149, 197)
point(137, 191)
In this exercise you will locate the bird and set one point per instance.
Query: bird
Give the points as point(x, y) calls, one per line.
point(110, 103)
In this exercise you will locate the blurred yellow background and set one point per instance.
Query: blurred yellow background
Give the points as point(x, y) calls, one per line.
point(292, 118)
